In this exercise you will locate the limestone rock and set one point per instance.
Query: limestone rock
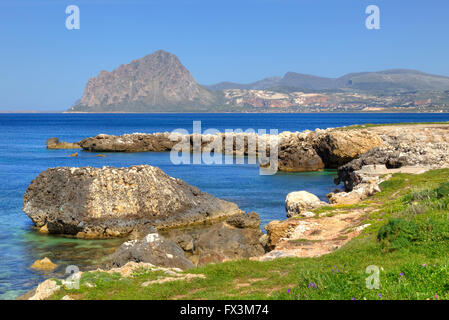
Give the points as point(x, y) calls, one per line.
point(112, 202)
point(44, 265)
point(54, 143)
point(301, 201)
point(338, 147)
point(45, 290)
point(296, 153)
point(236, 238)
point(154, 249)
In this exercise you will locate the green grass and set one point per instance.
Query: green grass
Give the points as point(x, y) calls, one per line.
point(408, 241)
point(371, 125)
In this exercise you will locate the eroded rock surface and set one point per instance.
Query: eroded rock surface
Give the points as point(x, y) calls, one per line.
point(301, 202)
point(419, 146)
point(154, 249)
point(236, 238)
point(112, 202)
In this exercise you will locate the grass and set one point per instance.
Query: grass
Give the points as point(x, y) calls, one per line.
point(371, 125)
point(407, 242)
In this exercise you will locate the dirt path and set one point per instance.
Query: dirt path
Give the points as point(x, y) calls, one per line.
point(313, 237)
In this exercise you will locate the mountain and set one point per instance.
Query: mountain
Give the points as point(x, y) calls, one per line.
point(258, 85)
point(156, 82)
point(389, 80)
point(160, 83)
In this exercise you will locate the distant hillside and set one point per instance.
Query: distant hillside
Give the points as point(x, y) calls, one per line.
point(156, 82)
point(389, 80)
point(160, 83)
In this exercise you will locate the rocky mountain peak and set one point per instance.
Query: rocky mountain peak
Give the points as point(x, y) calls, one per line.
point(152, 83)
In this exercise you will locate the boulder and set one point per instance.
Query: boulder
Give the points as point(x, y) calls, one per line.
point(154, 249)
point(297, 154)
point(236, 238)
point(44, 265)
point(112, 202)
point(338, 147)
point(300, 202)
point(54, 143)
point(43, 291)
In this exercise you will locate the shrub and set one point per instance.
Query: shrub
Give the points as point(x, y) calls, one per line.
point(397, 233)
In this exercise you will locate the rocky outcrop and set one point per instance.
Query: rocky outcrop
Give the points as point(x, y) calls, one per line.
point(156, 82)
point(301, 202)
point(137, 142)
point(154, 249)
point(338, 147)
point(297, 152)
point(43, 291)
point(54, 143)
point(111, 202)
point(236, 238)
point(44, 265)
point(420, 146)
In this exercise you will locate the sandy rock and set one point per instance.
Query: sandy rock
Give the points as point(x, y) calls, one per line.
point(54, 143)
point(44, 265)
point(338, 147)
point(45, 290)
point(301, 201)
point(112, 202)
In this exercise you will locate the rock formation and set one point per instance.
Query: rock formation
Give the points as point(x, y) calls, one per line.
point(156, 82)
point(154, 249)
point(301, 202)
point(54, 143)
point(236, 238)
point(111, 202)
point(421, 146)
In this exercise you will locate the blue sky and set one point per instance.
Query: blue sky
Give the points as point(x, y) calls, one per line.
point(44, 66)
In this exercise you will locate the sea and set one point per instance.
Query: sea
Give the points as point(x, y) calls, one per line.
point(23, 155)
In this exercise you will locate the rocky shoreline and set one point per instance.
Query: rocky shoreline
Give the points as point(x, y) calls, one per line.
point(174, 225)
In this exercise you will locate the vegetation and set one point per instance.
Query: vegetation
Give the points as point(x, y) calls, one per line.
point(407, 241)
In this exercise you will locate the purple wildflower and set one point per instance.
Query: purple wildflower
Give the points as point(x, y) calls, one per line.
point(288, 291)
point(354, 298)
point(380, 296)
point(436, 296)
point(312, 285)
point(401, 274)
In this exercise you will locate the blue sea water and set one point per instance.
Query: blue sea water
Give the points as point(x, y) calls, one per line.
point(23, 156)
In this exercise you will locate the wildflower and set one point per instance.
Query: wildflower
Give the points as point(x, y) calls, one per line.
point(380, 296)
point(401, 274)
point(436, 297)
point(424, 265)
point(288, 291)
point(312, 285)
point(354, 298)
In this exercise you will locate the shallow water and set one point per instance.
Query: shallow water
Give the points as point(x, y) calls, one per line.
point(23, 156)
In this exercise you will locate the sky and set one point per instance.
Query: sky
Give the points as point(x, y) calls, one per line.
point(45, 66)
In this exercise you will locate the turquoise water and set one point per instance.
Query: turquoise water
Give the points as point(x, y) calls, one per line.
point(23, 156)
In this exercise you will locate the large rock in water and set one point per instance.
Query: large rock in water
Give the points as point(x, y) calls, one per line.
point(338, 147)
point(111, 202)
point(296, 152)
